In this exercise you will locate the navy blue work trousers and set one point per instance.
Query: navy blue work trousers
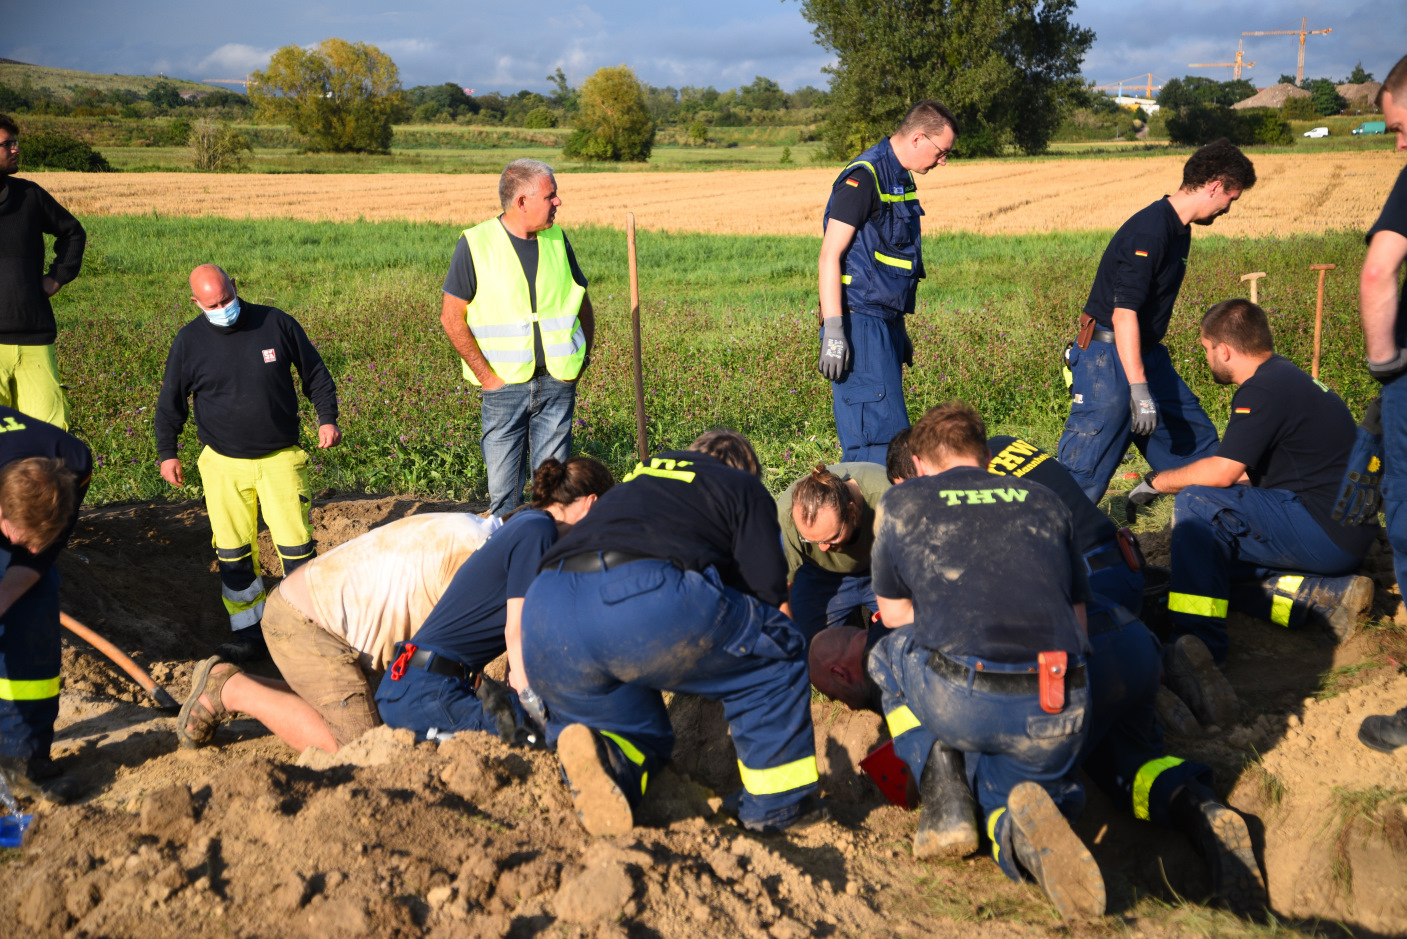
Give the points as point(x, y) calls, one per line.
point(1395, 471)
point(423, 701)
point(1111, 577)
point(1097, 432)
point(599, 647)
point(869, 401)
point(30, 661)
point(1241, 534)
point(822, 598)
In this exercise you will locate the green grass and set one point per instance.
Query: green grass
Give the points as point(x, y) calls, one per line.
point(729, 338)
point(60, 80)
point(1336, 681)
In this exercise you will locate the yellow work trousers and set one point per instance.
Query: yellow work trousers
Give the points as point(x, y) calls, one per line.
point(235, 492)
point(29, 382)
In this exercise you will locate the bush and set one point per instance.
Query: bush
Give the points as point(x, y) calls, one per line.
point(612, 122)
point(697, 134)
point(786, 155)
point(216, 147)
point(165, 95)
point(341, 96)
point(540, 118)
point(1268, 127)
point(178, 132)
point(48, 150)
point(1299, 109)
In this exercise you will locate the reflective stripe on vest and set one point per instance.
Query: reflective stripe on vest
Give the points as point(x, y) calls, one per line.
point(501, 315)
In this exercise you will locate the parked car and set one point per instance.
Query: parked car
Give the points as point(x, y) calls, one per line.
point(1371, 127)
point(1317, 132)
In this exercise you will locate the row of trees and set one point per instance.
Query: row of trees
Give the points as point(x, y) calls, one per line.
point(164, 98)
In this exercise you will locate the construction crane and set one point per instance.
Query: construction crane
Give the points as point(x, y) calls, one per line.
point(1142, 85)
point(1302, 32)
point(1234, 66)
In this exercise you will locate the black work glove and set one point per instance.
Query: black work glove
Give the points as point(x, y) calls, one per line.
point(1144, 412)
point(835, 351)
point(1387, 371)
point(1142, 494)
point(906, 354)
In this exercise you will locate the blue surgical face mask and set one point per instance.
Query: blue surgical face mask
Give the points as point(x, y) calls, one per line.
point(225, 315)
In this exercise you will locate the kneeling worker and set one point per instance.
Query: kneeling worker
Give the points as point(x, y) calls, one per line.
point(674, 582)
point(1289, 436)
point(827, 520)
point(983, 668)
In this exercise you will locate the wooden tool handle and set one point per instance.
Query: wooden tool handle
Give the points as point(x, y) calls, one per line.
point(120, 659)
point(640, 442)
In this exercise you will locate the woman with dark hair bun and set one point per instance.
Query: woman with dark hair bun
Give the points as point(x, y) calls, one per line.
point(436, 682)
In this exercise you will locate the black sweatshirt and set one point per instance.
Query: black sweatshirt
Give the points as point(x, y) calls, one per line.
point(22, 437)
point(245, 403)
point(27, 214)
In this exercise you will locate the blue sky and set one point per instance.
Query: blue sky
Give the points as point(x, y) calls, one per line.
point(496, 46)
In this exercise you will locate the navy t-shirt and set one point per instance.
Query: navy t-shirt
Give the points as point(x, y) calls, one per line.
point(991, 564)
point(1142, 270)
point(22, 437)
point(855, 199)
point(1293, 433)
point(1394, 219)
point(1012, 456)
point(467, 624)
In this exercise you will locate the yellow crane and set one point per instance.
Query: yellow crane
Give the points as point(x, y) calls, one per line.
point(1234, 66)
point(1302, 32)
point(1142, 85)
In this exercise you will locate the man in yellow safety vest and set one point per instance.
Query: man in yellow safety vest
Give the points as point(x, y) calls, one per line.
point(516, 310)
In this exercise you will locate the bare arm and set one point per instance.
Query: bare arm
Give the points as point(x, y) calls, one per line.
point(895, 613)
point(837, 239)
point(513, 636)
point(1215, 471)
point(1377, 294)
point(452, 320)
point(14, 584)
point(1128, 342)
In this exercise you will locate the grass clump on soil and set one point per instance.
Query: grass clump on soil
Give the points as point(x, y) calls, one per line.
point(730, 339)
point(1339, 679)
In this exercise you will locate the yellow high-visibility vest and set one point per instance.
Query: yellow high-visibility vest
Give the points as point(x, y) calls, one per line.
point(501, 315)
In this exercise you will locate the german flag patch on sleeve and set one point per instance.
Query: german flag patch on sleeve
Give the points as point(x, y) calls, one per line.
point(852, 182)
point(1141, 254)
point(1243, 410)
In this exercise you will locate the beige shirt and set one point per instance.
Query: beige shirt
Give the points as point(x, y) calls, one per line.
point(377, 590)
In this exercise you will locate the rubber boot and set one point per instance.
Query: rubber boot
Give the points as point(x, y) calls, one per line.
point(1188, 669)
point(1340, 603)
point(601, 806)
point(1053, 854)
point(1220, 835)
point(1384, 732)
point(947, 820)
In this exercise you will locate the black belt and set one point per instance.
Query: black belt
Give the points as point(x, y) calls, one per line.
point(439, 664)
point(590, 562)
point(1101, 335)
point(999, 682)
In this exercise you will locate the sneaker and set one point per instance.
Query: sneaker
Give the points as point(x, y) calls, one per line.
point(947, 826)
point(1189, 671)
point(1384, 732)
point(600, 805)
point(244, 645)
point(1340, 603)
point(1053, 854)
point(1220, 835)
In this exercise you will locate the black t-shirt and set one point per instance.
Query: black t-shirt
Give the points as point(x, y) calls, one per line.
point(855, 198)
point(695, 512)
point(991, 564)
point(1394, 219)
point(1142, 270)
point(467, 623)
point(461, 281)
point(1012, 456)
point(1293, 433)
point(22, 437)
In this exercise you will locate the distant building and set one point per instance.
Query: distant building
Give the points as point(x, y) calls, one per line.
point(1149, 105)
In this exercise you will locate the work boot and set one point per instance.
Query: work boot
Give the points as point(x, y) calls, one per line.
point(811, 810)
point(1384, 732)
point(244, 645)
point(1220, 835)
point(1174, 714)
point(1189, 671)
point(947, 825)
point(599, 803)
point(39, 778)
point(1053, 854)
point(1340, 603)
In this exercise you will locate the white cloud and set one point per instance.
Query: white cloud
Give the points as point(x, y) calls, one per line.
point(406, 47)
point(236, 58)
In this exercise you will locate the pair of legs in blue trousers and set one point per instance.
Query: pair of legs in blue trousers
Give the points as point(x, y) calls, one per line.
point(534, 417)
point(821, 599)
point(599, 647)
point(869, 403)
point(30, 659)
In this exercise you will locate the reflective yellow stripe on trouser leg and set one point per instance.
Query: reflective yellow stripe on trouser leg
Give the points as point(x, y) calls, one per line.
point(992, 833)
point(1194, 605)
point(1282, 604)
point(767, 782)
point(632, 753)
point(232, 502)
point(901, 720)
point(1143, 781)
point(36, 689)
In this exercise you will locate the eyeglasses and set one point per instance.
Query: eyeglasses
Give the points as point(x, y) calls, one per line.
point(12, 144)
point(942, 151)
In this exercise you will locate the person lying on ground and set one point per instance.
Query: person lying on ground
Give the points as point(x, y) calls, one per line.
point(332, 626)
point(437, 681)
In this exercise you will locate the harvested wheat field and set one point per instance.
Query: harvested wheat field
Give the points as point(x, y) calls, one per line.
point(1296, 193)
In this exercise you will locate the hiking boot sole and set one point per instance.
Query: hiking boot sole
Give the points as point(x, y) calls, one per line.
point(1236, 879)
point(1193, 676)
point(1344, 616)
point(1066, 871)
point(600, 805)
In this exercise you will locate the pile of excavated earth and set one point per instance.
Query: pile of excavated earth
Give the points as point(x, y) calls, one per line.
point(467, 837)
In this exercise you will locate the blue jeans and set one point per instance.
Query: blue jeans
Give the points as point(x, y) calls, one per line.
point(868, 402)
point(536, 416)
point(30, 657)
point(1240, 533)
point(1395, 471)
point(1007, 738)
point(422, 700)
point(822, 598)
point(1097, 433)
point(599, 648)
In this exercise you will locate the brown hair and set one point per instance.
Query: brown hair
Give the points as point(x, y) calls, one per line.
point(1395, 84)
point(928, 117)
point(558, 483)
point(8, 123)
point(1239, 324)
point(731, 447)
point(1219, 161)
point(37, 496)
point(949, 430)
point(898, 461)
point(820, 489)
